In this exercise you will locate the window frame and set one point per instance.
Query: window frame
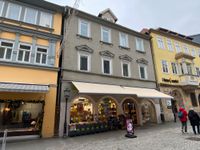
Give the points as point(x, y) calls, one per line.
point(185, 47)
point(26, 44)
point(197, 71)
point(1, 12)
point(145, 70)
point(177, 45)
point(142, 44)
point(102, 65)
point(8, 9)
point(126, 39)
point(88, 28)
point(109, 34)
point(88, 61)
point(193, 52)
point(7, 41)
point(129, 68)
point(51, 22)
point(163, 66)
point(25, 13)
point(163, 43)
point(169, 44)
point(43, 47)
point(176, 67)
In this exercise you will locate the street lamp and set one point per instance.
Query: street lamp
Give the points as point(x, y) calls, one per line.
point(66, 95)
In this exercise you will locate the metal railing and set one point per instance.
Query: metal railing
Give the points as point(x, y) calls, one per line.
point(4, 140)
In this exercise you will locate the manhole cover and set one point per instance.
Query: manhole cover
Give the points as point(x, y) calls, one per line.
point(193, 138)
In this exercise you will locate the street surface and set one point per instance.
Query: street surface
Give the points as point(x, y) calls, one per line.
point(166, 136)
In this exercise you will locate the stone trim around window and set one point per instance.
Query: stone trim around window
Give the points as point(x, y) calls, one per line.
point(107, 54)
point(142, 61)
point(84, 48)
point(126, 58)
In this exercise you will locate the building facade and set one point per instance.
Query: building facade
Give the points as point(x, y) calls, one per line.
point(177, 65)
point(106, 72)
point(30, 36)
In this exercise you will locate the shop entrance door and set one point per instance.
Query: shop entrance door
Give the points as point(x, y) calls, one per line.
point(129, 108)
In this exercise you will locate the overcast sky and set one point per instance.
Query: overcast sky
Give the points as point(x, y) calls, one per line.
point(181, 16)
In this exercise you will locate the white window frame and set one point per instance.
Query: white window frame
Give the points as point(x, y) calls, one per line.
point(43, 47)
point(186, 49)
point(177, 47)
point(8, 9)
point(129, 69)
point(160, 39)
point(26, 14)
point(126, 39)
point(1, 12)
point(88, 61)
point(176, 67)
point(167, 66)
point(51, 23)
point(170, 45)
point(102, 65)
point(193, 52)
point(109, 34)
point(197, 73)
point(138, 42)
point(6, 50)
point(145, 70)
point(88, 28)
point(21, 43)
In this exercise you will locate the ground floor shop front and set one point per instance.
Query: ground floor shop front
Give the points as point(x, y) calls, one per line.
point(27, 109)
point(187, 97)
point(106, 108)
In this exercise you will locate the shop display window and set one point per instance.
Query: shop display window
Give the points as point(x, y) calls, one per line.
point(81, 111)
point(21, 115)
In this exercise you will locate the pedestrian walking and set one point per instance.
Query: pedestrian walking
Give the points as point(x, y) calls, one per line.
point(174, 111)
point(182, 114)
point(194, 120)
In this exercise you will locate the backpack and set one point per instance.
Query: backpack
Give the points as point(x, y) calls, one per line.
point(180, 114)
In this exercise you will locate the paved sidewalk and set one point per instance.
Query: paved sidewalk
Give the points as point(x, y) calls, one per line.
point(166, 136)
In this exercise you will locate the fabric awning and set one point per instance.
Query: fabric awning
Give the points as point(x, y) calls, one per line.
point(93, 88)
point(23, 88)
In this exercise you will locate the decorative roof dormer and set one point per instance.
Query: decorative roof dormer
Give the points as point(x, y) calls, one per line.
point(108, 15)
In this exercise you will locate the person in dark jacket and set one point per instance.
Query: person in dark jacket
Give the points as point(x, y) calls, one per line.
point(194, 120)
point(183, 119)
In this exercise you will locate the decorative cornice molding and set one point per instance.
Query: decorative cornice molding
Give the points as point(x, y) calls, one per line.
point(84, 48)
point(142, 61)
point(125, 57)
point(107, 54)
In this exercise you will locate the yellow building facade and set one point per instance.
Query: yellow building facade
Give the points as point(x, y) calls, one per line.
point(30, 37)
point(177, 67)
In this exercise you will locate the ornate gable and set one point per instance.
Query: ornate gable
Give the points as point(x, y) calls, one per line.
point(108, 15)
point(125, 57)
point(142, 61)
point(107, 54)
point(84, 48)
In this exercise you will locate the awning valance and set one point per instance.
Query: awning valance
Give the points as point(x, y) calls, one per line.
point(23, 88)
point(93, 88)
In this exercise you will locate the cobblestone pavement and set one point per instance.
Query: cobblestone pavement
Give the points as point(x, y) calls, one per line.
point(166, 136)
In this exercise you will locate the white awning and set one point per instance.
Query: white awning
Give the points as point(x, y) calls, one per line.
point(93, 88)
point(23, 88)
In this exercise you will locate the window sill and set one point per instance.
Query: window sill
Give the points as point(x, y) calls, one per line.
point(84, 37)
point(84, 70)
point(143, 52)
point(122, 47)
point(106, 43)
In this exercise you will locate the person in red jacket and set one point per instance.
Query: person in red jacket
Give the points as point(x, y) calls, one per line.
point(182, 114)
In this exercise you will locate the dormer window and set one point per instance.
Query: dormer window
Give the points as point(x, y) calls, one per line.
point(108, 15)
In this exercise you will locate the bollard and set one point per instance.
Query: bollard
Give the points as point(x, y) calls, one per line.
point(4, 140)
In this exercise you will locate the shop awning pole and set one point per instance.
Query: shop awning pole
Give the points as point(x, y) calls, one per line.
point(4, 140)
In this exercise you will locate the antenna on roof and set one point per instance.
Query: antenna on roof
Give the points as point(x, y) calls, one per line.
point(76, 4)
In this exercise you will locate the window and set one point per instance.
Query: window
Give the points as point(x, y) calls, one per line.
point(189, 69)
point(1, 7)
point(5, 50)
point(125, 69)
point(186, 49)
point(30, 15)
point(123, 38)
point(106, 66)
point(84, 62)
point(193, 52)
point(139, 45)
point(198, 71)
point(106, 35)
point(174, 68)
point(193, 99)
point(178, 48)
point(165, 68)
point(84, 28)
point(41, 55)
point(169, 45)
point(46, 19)
point(160, 43)
point(13, 11)
point(24, 53)
point(143, 71)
